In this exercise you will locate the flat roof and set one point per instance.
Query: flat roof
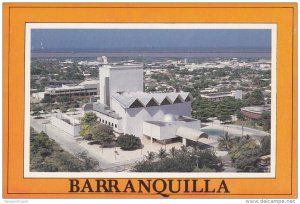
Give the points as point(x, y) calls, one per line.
point(186, 119)
point(125, 66)
point(216, 95)
point(164, 123)
point(158, 123)
point(257, 109)
point(98, 107)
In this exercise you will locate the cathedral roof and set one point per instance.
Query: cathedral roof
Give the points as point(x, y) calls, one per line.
point(143, 99)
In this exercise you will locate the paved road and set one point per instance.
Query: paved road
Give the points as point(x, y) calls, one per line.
point(108, 160)
point(249, 130)
point(237, 130)
point(66, 141)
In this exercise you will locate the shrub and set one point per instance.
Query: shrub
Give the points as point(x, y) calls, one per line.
point(129, 142)
point(102, 134)
point(86, 123)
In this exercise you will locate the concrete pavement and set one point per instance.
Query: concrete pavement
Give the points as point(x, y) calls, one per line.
point(236, 130)
point(110, 159)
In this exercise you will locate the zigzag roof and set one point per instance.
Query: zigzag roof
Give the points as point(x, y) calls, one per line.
point(126, 99)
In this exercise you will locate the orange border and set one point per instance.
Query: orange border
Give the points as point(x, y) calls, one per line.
point(15, 16)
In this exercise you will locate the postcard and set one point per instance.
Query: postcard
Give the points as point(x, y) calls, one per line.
point(151, 106)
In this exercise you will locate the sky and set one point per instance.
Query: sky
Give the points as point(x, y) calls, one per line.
point(149, 38)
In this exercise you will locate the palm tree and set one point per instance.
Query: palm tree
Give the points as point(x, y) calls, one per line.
point(162, 153)
point(172, 152)
point(225, 142)
point(184, 149)
point(150, 156)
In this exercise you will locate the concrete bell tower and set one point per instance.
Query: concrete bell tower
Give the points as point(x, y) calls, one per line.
point(120, 78)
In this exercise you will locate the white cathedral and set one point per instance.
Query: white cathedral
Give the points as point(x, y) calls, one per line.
point(160, 117)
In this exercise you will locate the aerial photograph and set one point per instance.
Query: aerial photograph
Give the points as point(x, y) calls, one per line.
point(150, 100)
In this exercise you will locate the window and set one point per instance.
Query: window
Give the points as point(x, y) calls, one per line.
point(178, 100)
point(116, 126)
point(188, 98)
point(152, 102)
point(136, 104)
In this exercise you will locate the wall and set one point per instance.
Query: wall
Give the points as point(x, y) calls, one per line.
point(134, 117)
point(66, 127)
point(191, 124)
point(251, 114)
point(103, 72)
point(124, 78)
point(107, 120)
point(151, 130)
point(71, 118)
point(167, 131)
point(238, 94)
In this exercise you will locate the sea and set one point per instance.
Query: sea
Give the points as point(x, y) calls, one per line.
point(165, 53)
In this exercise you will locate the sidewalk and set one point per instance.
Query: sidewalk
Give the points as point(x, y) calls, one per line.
point(108, 158)
point(236, 130)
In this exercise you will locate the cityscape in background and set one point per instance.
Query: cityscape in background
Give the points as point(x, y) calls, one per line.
point(150, 109)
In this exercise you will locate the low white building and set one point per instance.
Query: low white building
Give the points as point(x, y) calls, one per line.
point(125, 107)
point(86, 88)
point(136, 107)
point(67, 123)
point(129, 110)
point(166, 130)
point(237, 94)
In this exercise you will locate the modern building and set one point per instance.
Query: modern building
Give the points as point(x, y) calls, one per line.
point(237, 94)
point(125, 107)
point(255, 112)
point(84, 89)
point(120, 78)
point(67, 123)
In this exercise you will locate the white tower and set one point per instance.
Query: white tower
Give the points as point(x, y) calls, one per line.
point(120, 78)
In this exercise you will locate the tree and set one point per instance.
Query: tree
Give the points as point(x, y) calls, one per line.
point(225, 142)
point(85, 131)
point(89, 163)
point(255, 98)
point(150, 156)
point(162, 153)
point(203, 169)
point(172, 151)
point(89, 118)
point(239, 115)
point(103, 134)
point(87, 121)
point(47, 156)
point(63, 99)
point(225, 118)
point(266, 145)
point(47, 99)
point(182, 161)
point(129, 142)
point(245, 155)
point(265, 120)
